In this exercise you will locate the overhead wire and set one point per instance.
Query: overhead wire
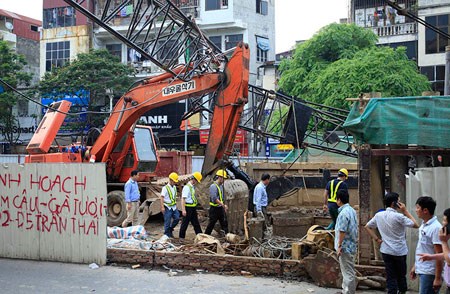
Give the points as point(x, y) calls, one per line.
point(175, 78)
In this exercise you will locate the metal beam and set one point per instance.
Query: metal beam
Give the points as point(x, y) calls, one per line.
point(408, 152)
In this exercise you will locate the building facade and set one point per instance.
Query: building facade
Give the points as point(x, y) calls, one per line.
point(22, 33)
point(423, 45)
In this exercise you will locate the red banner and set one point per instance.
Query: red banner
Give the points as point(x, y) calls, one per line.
point(239, 139)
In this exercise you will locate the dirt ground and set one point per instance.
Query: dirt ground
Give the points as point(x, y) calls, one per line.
point(155, 226)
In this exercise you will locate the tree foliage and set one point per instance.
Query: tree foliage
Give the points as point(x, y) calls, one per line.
point(11, 66)
point(342, 60)
point(97, 72)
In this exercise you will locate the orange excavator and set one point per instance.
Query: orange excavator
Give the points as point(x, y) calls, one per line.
point(194, 67)
point(118, 146)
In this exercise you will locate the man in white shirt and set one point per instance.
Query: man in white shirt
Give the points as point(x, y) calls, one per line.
point(430, 272)
point(392, 224)
point(169, 205)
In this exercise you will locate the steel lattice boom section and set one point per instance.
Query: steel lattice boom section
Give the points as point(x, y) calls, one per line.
point(160, 32)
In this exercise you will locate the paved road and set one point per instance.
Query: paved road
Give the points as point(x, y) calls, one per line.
point(23, 276)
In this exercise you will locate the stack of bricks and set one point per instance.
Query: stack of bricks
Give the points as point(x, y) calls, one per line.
point(212, 263)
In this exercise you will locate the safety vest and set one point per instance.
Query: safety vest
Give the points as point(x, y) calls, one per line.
point(220, 196)
point(333, 191)
point(194, 199)
point(172, 197)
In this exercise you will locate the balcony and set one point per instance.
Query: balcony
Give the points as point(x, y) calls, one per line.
point(123, 18)
point(188, 7)
point(8, 37)
point(396, 30)
point(145, 68)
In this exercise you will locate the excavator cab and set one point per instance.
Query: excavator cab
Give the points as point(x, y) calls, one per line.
point(135, 151)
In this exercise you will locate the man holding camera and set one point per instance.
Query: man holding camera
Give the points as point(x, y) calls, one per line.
point(392, 224)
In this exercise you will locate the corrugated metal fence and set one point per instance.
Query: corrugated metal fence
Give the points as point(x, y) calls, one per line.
point(12, 158)
point(53, 212)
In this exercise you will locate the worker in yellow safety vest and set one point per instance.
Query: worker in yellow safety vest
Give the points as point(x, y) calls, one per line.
point(217, 206)
point(329, 195)
point(169, 205)
point(189, 206)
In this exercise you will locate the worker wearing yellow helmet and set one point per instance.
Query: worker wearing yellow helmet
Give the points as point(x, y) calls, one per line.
point(329, 195)
point(189, 206)
point(217, 206)
point(169, 205)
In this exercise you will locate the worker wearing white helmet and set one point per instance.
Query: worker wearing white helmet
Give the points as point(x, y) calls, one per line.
point(169, 205)
point(189, 205)
point(217, 206)
point(329, 195)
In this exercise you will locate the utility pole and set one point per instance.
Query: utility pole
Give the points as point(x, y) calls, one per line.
point(447, 71)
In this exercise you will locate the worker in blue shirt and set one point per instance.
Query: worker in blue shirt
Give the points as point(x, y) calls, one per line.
point(132, 197)
point(260, 199)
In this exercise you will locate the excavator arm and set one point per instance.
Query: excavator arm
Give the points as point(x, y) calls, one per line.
point(231, 86)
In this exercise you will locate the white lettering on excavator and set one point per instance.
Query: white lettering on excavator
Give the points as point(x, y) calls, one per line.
point(178, 88)
point(155, 119)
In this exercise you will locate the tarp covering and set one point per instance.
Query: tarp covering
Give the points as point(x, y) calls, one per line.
point(263, 43)
point(424, 121)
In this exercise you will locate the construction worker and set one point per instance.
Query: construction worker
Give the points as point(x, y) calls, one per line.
point(132, 197)
point(329, 195)
point(169, 205)
point(218, 208)
point(189, 206)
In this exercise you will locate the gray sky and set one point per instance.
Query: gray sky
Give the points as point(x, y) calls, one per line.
point(294, 19)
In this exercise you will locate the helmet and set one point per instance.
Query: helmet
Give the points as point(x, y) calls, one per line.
point(174, 177)
point(198, 176)
point(343, 172)
point(221, 173)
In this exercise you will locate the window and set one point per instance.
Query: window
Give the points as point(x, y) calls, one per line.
point(167, 50)
point(215, 4)
point(59, 17)
point(22, 107)
point(263, 47)
point(34, 28)
point(57, 54)
point(435, 43)
point(232, 40)
point(115, 49)
point(262, 7)
point(217, 41)
point(436, 76)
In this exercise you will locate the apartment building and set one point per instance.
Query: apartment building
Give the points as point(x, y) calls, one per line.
point(22, 34)
point(423, 45)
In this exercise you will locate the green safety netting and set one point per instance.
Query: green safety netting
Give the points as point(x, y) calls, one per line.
point(423, 121)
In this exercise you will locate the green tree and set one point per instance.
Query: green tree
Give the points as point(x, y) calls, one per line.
point(342, 60)
point(11, 66)
point(97, 72)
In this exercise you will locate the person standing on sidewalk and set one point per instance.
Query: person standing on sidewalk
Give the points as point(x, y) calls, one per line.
point(430, 272)
point(392, 224)
point(218, 208)
point(346, 240)
point(329, 195)
point(132, 197)
point(189, 206)
point(169, 205)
